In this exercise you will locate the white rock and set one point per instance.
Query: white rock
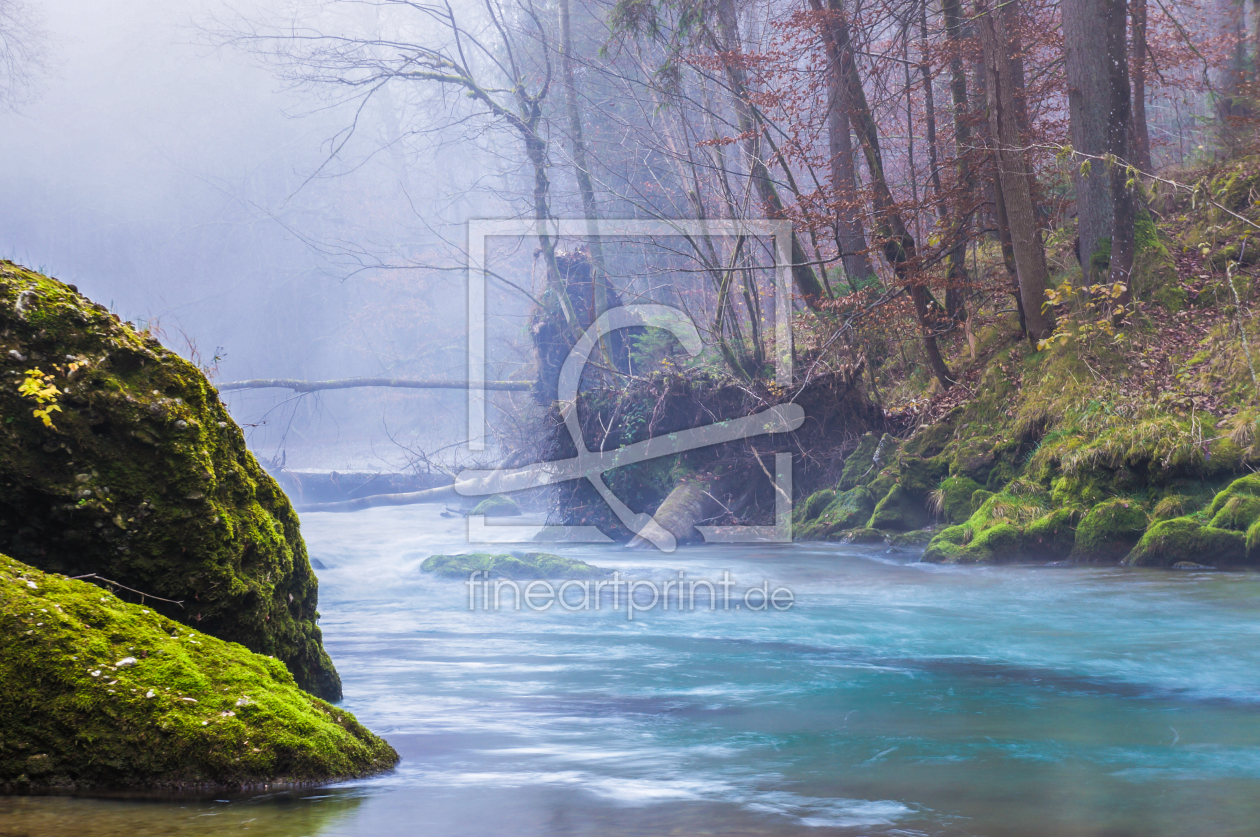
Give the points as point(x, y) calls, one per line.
point(126, 662)
point(150, 693)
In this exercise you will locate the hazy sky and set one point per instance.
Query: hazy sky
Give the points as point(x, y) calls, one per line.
point(164, 178)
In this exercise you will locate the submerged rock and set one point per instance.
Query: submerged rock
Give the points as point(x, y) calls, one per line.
point(497, 505)
point(99, 693)
point(523, 566)
point(139, 474)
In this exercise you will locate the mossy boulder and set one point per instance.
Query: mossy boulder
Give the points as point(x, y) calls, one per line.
point(99, 693)
point(1186, 539)
point(861, 465)
point(141, 476)
point(963, 544)
point(957, 495)
point(497, 505)
point(1238, 506)
point(899, 511)
point(519, 567)
point(864, 536)
point(1051, 537)
point(846, 510)
point(813, 506)
point(1109, 531)
point(920, 538)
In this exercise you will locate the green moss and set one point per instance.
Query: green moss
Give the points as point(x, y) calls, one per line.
point(847, 510)
point(813, 506)
point(1052, 537)
point(522, 566)
point(100, 693)
point(145, 479)
point(864, 536)
point(919, 538)
point(1253, 543)
point(899, 511)
point(497, 505)
point(860, 465)
point(1109, 530)
point(919, 476)
point(1186, 539)
point(957, 493)
point(1238, 505)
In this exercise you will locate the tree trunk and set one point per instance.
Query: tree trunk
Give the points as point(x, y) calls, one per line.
point(803, 275)
point(895, 241)
point(956, 261)
point(850, 231)
point(1119, 119)
point(1141, 135)
point(582, 172)
point(1089, 103)
point(1030, 259)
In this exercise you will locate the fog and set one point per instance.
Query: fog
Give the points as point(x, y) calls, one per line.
point(184, 186)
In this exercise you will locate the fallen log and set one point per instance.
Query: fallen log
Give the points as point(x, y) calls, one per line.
point(354, 383)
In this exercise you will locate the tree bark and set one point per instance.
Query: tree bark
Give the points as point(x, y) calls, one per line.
point(1089, 105)
point(1119, 120)
point(1141, 134)
point(850, 231)
point(803, 275)
point(994, 21)
point(956, 262)
point(895, 240)
point(582, 172)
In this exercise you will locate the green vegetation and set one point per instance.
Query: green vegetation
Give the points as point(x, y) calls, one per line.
point(99, 693)
point(120, 460)
point(497, 505)
point(1114, 441)
point(519, 567)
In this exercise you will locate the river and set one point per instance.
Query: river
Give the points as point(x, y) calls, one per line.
point(891, 698)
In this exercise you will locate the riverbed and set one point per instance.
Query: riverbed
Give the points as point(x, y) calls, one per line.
point(890, 698)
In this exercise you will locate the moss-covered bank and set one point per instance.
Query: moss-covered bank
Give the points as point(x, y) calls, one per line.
point(1137, 444)
point(141, 476)
point(519, 566)
point(100, 693)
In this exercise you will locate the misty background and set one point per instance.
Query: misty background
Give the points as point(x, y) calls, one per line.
point(189, 190)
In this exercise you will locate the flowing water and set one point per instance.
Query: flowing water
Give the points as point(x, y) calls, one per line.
point(892, 698)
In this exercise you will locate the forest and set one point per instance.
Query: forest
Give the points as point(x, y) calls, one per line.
point(928, 326)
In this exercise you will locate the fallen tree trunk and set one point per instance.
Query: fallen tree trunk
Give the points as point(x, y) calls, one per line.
point(428, 495)
point(353, 383)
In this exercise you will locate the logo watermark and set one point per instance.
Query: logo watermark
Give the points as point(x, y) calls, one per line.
point(592, 465)
point(636, 595)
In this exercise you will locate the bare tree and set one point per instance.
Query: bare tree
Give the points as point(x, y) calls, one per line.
point(995, 22)
point(23, 53)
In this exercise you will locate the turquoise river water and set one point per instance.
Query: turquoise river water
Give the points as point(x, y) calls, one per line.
point(892, 698)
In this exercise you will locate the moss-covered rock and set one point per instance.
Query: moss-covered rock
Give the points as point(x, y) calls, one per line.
point(1238, 506)
point(920, 538)
point(1109, 531)
point(813, 506)
point(1051, 537)
point(497, 505)
point(140, 475)
point(957, 493)
point(847, 510)
point(899, 511)
point(864, 536)
point(1186, 539)
point(522, 566)
point(99, 693)
point(862, 466)
point(963, 544)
